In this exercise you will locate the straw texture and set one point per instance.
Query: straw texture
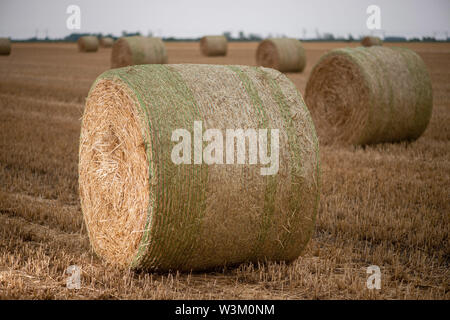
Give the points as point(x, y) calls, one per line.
point(135, 50)
point(214, 45)
point(144, 211)
point(88, 44)
point(371, 41)
point(5, 46)
point(283, 54)
point(369, 95)
point(106, 42)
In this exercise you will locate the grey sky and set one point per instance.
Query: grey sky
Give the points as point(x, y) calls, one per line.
point(20, 19)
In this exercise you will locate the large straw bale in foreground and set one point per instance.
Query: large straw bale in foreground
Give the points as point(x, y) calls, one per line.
point(283, 54)
point(88, 44)
point(144, 211)
point(106, 42)
point(213, 45)
point(135, 50)
point(369, 95)
point(5, 46)
point(371, 41)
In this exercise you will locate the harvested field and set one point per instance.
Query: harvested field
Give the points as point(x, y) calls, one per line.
point(385, 205)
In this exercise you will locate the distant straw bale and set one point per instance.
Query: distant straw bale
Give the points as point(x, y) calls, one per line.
point(283, 54)
point(106, 42)
point(369, 95)
point(213, 45)
point(136, 50)
point(5, 46)
point(371, 41)
point(88, 44)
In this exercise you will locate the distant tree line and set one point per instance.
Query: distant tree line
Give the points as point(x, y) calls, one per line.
point(325, 37)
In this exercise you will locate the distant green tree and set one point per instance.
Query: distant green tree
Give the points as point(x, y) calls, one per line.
point(328, 36)
point(429, 39)
point(130, 34)
point(254, 37)
point(227, 35)
point(395, 39)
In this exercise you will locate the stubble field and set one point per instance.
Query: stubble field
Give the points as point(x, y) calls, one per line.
point(385, 205)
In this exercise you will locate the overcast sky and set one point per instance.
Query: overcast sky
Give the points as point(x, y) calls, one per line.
point(20, 19)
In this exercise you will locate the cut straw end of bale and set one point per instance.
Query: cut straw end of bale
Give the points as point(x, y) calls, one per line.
point(5, 46)
point(213, 46)
point(137, 50)
point(88, 44)
point(283, 54)
point(144, 211)
point(369, 95)
point(106, 42)
point(371, 41)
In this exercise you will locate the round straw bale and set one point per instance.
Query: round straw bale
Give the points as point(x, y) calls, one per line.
point(371, 41)
point(369, 95)
point(88, 44)
point(213, 45)
point(134, 50)
point(283, 54)
point(144, 211)
point(106, 42)
point(5, 46)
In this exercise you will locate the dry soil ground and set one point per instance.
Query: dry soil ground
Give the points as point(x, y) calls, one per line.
point(386, 205)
